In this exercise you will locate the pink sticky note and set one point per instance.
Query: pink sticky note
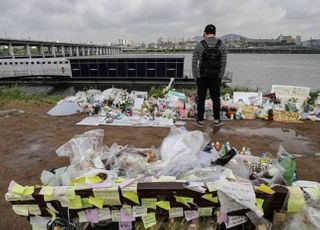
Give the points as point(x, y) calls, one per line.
point(92, 215)
point(126, 217)
point(104, 184)
point(125, 225)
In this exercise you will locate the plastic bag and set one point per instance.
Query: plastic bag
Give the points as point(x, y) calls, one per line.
point(81, 149)
point(181, 142)
point(288, 163)
point(207, 174)
point(307, 218)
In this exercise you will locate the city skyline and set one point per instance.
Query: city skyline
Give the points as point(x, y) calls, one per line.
point(107, 21)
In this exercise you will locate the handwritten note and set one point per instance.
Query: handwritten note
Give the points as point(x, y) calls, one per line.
point(185, 200)
point(75, 202)
point(139, 211)
point(235, 221)
point(242, 193)
point(205, 211)
point(109, 195)
point(149, 203)
point(228, 204)
point(82, 217)
point(116, 215)
point(92, 215)
point(149, 220)
point(191, 214)
point(104, 214)
point(175, 212)
point(126, 214)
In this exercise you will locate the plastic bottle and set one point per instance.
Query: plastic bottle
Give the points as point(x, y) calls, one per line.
point(228, 148)
point(247, 152)
point(217, 146)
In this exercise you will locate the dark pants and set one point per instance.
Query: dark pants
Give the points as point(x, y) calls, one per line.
point(214, 88)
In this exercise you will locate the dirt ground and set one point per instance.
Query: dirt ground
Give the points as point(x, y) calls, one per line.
point(28, 142)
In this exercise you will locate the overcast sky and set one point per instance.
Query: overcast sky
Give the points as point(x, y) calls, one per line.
point(147, 20)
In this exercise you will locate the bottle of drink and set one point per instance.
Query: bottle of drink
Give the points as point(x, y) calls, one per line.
point(217, 146)
point(228, 147)
point(247, 152)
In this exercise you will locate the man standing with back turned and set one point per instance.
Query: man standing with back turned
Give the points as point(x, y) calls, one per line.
point(208, 66)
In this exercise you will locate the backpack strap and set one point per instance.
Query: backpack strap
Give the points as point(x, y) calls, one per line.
point(218, 44)
point(204, 43)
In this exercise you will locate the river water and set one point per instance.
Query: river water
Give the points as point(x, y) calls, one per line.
point(264, 70)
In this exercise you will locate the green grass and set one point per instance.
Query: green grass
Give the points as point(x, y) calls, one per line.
point(16, 94)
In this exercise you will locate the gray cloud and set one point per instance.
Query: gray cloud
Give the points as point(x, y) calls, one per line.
point(146, 20)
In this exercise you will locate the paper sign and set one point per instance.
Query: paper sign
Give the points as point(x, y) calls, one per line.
point(259, 203)
point(190, 215)
point(285, 92)
point(82, 217)
point(125, 225)
point(175, 212)
point(296, 199)
point(149, 202)
point(75, 202)
point(109, 195)
point(205, 211)
point(133, 196)
point(149, 220)
point(104, 214)
point(210, 197)
point(164, 205)
point(248, 98)
point(139, 211)
point(46, 190)
point(211, 187)
point(242, 193)
point(228, 204)
point(266, 189)
point(115, 215)
point(98, 202)
point(235, 221)
point(92, 215)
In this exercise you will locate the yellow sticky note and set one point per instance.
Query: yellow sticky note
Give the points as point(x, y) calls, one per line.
point(28, 190)
point(18, 189)
point(119, 180)
point(296, 199)
point(185, 200)
point(164, 205)
point(85, 203)
point(205, 211)
point(259, 203)
point(94, 179)
point(149, 203)
point(52, 213)
point(21, 210)
point(210, 197)
point(46, 190)
point(48, 198)
point(109, 195)
point(266, 189)
point(75, 202)
point(98, 202)
point(79, 180)
point(149, 220)
point(133, 196)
